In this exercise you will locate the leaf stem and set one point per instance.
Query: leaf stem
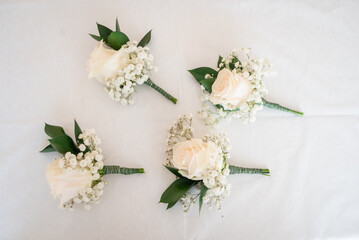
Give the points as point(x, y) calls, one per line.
point(242, 170)
point(160, 90)
point(279, 107)
point(113, 169)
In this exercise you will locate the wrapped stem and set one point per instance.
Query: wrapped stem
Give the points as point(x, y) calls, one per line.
point(160, 90)
point(113, 169)
point(279, 107)
point(242, 170)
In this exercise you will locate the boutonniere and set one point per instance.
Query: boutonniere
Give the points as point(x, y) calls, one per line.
point(200, 166)
point(235, 88)
point(76, 177)
point(121, 64)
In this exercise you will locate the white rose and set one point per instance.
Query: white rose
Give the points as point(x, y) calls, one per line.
point(230, 88)
point(104, 62)
point(194, 156)
point(66, 185)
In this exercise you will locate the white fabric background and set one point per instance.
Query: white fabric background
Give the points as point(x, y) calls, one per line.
point(313, 190)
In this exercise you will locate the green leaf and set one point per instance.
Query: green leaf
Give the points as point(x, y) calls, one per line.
point(202, 193)
point(174, 171)
point(95, 182)
point(117, 26)
point(232, 63)
point(53, 131)
point(103, 31)
point(176, 190)
point(207, 83)
point(64, 144)
point(200, 73)
point(242, 170)
point(145, 40)
point(48, 148)
point(113, 169)
point(220, 106)
point(171, 205)
point(78, 131)
point(117, 39)
point(219, 60)
point(79, 141)
point(97, 38)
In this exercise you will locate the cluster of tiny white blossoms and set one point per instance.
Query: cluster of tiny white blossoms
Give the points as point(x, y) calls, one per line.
point(88, 160)
point(241, 62)
point(180, 131)
point(121, 87)
point(215, 179)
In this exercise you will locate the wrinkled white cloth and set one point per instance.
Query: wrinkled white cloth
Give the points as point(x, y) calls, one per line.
point(312, 192)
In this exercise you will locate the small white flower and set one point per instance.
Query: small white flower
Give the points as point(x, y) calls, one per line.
point(73, 162)
point(82, 147)
point(99, 157)
point(85, 199)
point(94, 170)
point(96, 176)
point(68, 155)
point(80, 155)
point(89, 190)
point(88, 157)
point(97, 140)
point(83, 163)
point(123, 101)
point(99, 165)
point(245, 74)
point(100, 185)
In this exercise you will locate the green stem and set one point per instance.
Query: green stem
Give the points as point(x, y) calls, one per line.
point(241, 170)
point(160, 90)
point(113, 169)
point(279, 107)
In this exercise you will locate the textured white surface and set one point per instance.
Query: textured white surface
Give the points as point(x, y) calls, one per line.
point(313, 190)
